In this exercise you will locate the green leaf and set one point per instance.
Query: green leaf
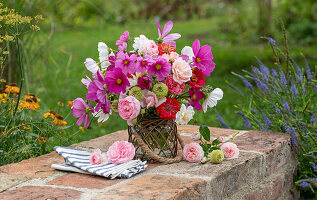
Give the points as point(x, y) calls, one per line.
point(205, 132)
point(215, 142)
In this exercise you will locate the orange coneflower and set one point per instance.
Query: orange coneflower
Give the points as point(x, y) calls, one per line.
point(70, 103)
point(12, 88)
point(42, 139)
point(3, 97)
point(50, 114)
point(30, 103)
point(24, 127)
point(58, 121)
point(31, 96)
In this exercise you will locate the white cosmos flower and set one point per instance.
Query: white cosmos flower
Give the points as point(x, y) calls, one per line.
point(188, 51)
point(139, 42)
point(102, 117)
point(91, 65)
point(212, 99)
point(184, 115)
point(103, 55)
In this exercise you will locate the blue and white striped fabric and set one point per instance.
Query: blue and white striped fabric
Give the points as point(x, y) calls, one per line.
point(77, 160)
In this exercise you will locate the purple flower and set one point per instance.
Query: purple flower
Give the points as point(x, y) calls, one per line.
point(274, 73)
point(203, 58)
point(142, 64)
point(160, 67)
point(245, 81)
point(271, 40)
point(116, 81)
point(167, 38)
point(305, 184)
point(221, 121)
point(299, 73)
point(195, 95)
point(81, 109)
point(126, 62)
point(309, 75)
point(122, 42)
point(293, 88)
point(313, 119)
point(314, 166)
point(286, 106)
point(112, 60)
point(283, 80)
point(261, 85)
point(144, 82)
point(245, 120)
point(96, 89)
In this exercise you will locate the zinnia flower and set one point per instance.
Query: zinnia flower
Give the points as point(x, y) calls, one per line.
point(216, 156)
point(116, 81)
point(165, 49)
point(164, 36)
point(196, 95)
point(160, 89)
point(144, 82)
point(81, 109)
point(203, 58)
point(161, 68)
point(126, 62)
point(168, 109)
point(136, 92)
point(173, 86)
point(212, 99)
point(184, 115)
point(197, 79)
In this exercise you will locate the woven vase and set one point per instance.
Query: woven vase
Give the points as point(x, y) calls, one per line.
point(158, 134)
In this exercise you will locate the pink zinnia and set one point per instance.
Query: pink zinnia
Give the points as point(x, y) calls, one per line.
point(81, 109)
point(196, 95)
point(116, 81)
point(142, 64)
point(126, 62)
point(144, 82)
point(167, 38)
point(173, 86)
point(203, 58)
point(161, 68)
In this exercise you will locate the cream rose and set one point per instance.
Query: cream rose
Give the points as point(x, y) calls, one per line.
point(181, 71)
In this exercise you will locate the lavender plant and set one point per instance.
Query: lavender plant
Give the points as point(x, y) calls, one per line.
point(283, 98)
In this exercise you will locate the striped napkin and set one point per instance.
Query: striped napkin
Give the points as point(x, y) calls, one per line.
point(77, 160)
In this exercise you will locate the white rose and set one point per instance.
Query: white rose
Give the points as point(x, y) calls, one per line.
point(182, 72)
point(138, 42)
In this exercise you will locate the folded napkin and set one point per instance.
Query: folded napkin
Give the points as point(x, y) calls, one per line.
point(77, 160)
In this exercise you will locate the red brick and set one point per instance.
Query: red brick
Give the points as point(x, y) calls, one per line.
point(40, 193)
point(157, 187)
point(39, 167)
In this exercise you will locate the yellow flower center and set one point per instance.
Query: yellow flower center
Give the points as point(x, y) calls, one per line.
point(194, 96)
point(119, 81)
point(198, 60)
point(158, 67)
point(143, 63)
point(126, 62)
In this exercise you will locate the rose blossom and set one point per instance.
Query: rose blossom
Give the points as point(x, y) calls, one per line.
point(181, 71)
point(193, 152)
point(129, 108)
point(170, 57)
point(97, 157)
point(173, 86)
point(230, 150)
point(149, 48)
point(149, 99)
point(221, 139)
point(195, 135)
point(121, 152)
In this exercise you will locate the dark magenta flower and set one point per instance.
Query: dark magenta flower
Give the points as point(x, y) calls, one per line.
point(195, 95)
point(126, 62)
point(203, 58)
point(144, 82)
point(116, 81)
point(167, 38)
point(81, 109)
point(161, 68)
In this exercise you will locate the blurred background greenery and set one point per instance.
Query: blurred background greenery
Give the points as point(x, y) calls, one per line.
point(72, 29)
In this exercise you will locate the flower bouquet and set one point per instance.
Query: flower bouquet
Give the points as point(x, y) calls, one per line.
point(152, 87)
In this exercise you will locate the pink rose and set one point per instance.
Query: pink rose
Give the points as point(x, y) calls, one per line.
point(150, 48)
point(203, 160)
point(173, 56)
point(182, 72)
point(149, 99)
point(173, 86)
point(221, 139)
point(230, 150)
point(97, 158)
point(121, 152)
point(195, 135)
point(193, 152)
point(166, 57)
point(129, 108)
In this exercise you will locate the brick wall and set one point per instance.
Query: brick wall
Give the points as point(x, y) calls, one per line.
point(264, 170)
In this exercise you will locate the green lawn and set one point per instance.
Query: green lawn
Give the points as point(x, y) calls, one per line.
point(58, 79)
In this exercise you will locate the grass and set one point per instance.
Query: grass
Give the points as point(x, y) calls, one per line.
point(58, 79)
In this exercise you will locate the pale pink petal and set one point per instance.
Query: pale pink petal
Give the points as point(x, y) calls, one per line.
point(167, 28)
point(173, 36)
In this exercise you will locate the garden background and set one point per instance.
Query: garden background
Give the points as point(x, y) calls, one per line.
point(53, 56)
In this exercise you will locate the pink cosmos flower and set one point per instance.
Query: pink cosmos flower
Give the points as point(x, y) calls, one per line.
point(126, 62)
point(161, 68)
point(86, 81)
point(196, 95)
point(144, 82)
point(193, 152)
point(116, 81)
point(230, 150)
point(97, 157)
point(142, 64)
point(81, 109)
point(149, 99)
point(173, 86)
point(121, 152)
point(129, 108)
point(203, 58)
point(122, 42)
point(167, 38)
point(182, 72)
